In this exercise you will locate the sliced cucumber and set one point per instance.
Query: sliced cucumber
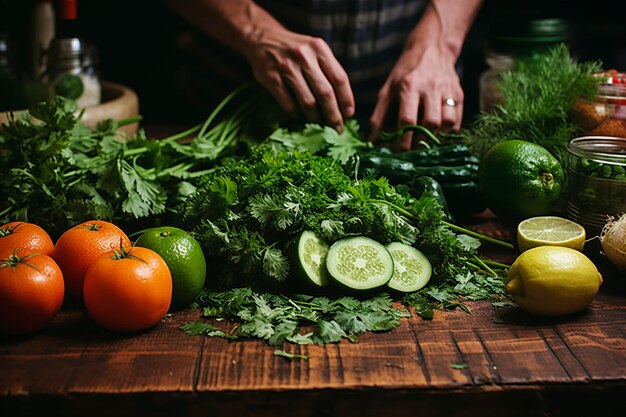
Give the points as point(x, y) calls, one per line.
point(359, 263)
point(412, 269)
point(311, 259)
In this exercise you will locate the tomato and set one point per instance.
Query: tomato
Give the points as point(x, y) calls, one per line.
point(31, 290)
point(80, 246)
point(128, 291)
point(25, 235)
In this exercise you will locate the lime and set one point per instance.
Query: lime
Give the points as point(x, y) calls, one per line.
point(553, 280)
point(184, 257)
point(519, 179)
point(550, 231)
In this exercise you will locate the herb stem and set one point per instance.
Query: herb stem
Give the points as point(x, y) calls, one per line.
point(478, 235)
point(496, 264)
point(129, 121)
point(485, 266)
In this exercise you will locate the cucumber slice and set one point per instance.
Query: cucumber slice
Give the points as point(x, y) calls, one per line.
point(359, 263)
point(311, 259)
point(412, 269)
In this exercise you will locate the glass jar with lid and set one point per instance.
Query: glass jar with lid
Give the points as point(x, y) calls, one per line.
point(596, 180)
point(512, 39)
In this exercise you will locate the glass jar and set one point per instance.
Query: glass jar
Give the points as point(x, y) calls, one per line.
point(511, 40)
point(72, 71)
point(596, 181)
point(606, 115)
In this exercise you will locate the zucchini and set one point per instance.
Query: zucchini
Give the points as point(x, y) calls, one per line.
point(359, 263)
point(310, 260)
point(412, 269)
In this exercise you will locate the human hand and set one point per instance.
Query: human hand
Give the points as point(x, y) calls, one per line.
point(423, 88)
point(303, 75)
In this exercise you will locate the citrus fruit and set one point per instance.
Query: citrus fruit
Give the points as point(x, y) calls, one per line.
point(550, 231)
point(519, 179)
point(79, 246)
point(553, 280)
point(184, 257)
point(31, 290)
point(25, 235)
point(128, 291)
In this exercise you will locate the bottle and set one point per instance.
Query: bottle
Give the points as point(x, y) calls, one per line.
point(10, 68)
point(72, 60)
point(42, 34)
point(513, 40)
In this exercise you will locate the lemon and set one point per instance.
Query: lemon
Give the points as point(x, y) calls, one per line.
point(183, 256)
point(553, 281)
point(550, 231)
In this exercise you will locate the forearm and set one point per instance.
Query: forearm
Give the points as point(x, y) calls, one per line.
point(445, 24)
point(236, 23)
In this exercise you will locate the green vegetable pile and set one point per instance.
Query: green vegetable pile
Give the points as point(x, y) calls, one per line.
point(246, 185)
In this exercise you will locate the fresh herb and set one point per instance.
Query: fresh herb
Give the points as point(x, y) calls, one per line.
point(290, 356)
point(458, 366)
point(300, 319)
point(538, 96)
point(246, 213)
point(56, 172)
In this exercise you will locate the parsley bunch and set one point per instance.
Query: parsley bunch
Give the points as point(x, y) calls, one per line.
point(248, 211)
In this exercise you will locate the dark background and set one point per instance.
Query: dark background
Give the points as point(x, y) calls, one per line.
point(146, 46)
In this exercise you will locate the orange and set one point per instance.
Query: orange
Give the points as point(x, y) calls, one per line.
point(80, 246)
point(31, 290)
point(25, 235)
point(128, 291)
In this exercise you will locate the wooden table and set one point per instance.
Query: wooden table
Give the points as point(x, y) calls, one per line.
point(494, 362)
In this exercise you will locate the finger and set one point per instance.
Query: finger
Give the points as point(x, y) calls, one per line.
point(449, 113)
point(325, 95)
point(378, 115)
point(283, 96)
point(338, 78)
point(459, 116)
point(407, 115)
point(304, 96)
point(431, 117)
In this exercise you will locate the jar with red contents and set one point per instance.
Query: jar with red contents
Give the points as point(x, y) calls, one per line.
point(606, 115)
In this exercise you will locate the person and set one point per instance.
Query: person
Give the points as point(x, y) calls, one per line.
point(325, 60)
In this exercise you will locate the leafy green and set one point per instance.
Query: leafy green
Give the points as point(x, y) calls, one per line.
point(538, 96)
point(318, 139)
point(290, 356)
point(300, 319)
point(56, 172)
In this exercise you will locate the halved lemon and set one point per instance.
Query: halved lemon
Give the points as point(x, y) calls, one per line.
point(550, 231)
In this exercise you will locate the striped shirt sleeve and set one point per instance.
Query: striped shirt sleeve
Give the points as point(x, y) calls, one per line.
point(366, 36)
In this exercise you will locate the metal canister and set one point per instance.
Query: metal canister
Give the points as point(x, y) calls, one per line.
point(596, 181)
point(72, 71)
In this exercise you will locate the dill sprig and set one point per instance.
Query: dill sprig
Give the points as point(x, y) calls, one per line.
point(538, 96)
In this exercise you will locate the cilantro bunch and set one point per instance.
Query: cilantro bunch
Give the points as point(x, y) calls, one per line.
point(301, 319)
